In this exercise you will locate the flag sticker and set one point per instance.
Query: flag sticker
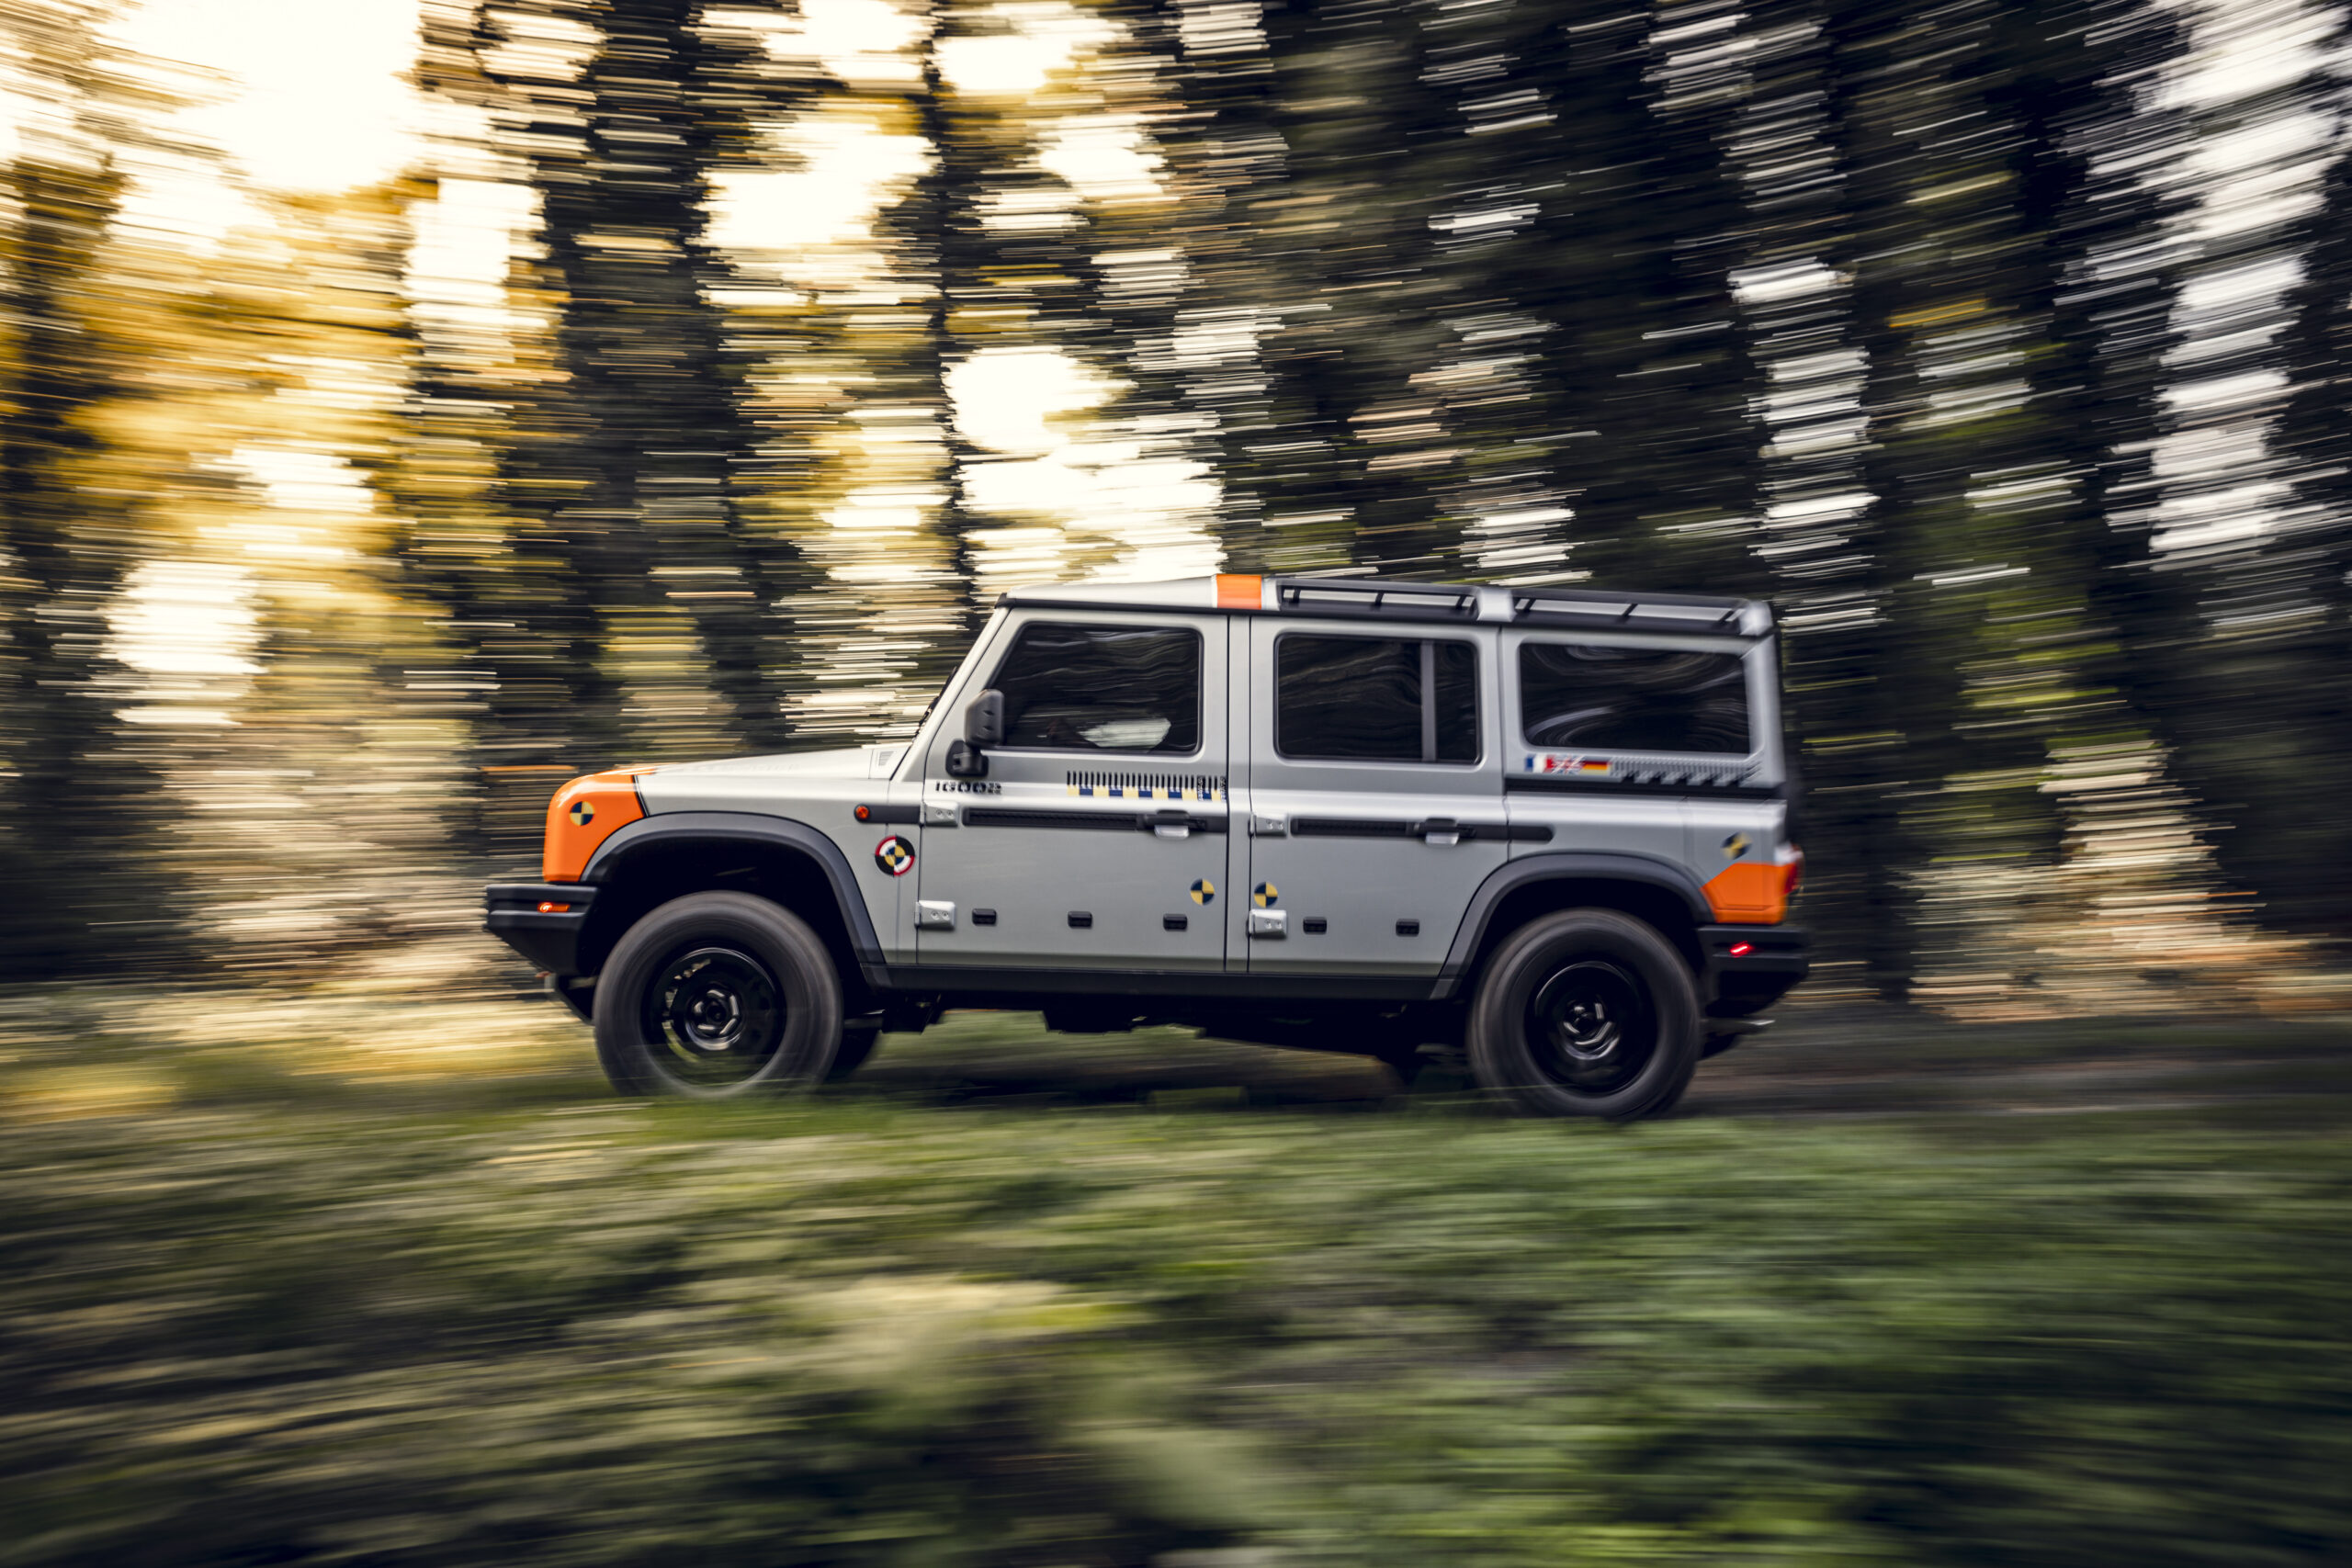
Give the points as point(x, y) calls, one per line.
point(1559, 766)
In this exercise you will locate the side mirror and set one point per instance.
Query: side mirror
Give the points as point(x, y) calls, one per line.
point(984, 719)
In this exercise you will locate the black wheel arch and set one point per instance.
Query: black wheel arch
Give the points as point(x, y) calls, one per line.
point(658, 858)
point(1655, 891)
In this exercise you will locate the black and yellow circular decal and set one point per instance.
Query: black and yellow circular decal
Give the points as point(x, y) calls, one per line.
point(1204, 891)
point(1265, 895)
point(582, 813)
point(895, 855)
point(1735, 846)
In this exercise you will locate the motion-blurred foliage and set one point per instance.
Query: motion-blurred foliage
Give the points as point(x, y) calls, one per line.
point(318, 1300)
point(707, 366)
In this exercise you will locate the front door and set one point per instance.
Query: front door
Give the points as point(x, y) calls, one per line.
point(1098, 839)
point(1375, 795)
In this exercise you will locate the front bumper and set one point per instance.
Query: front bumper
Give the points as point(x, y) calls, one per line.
point(520, 915)
point(1750, 967)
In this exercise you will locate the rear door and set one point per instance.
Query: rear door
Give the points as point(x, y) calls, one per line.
point(1098, 839)
point(1374, 794)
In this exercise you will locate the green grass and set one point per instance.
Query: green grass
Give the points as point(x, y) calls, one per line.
point(280, 1286)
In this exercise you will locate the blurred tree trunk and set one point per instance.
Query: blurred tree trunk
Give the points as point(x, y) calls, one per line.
point(85, 821)
point(625, 460)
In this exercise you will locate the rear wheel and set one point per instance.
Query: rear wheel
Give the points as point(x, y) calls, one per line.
point(717, 995)
point(1586, 1013)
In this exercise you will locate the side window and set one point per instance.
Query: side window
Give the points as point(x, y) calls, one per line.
point(1587, 695)
point(1363, 699)
point(1098, 688)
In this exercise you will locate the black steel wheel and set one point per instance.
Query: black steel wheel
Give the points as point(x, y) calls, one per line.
point(1590, 1027)
point(1586, 1013)
point(717, 995)
point(715, 1017)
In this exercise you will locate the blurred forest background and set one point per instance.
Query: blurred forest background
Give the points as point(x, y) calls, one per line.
point(405, 406)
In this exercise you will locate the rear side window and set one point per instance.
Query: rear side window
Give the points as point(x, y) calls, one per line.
point(1585, 696)
point(1081, 688)
point(1362, 699)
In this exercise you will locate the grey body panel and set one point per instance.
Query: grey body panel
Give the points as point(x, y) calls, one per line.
point(1053, 835)
point(820, 790)
point(1325, 836)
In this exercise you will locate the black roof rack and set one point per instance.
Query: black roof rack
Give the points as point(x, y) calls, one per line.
point(1601, 610)
point(1347, 596)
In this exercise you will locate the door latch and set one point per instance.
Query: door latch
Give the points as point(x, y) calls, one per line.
point(937, 814)
point(1441, 830)
point(1173, 825)
point(1269, 925)
point(933, 916)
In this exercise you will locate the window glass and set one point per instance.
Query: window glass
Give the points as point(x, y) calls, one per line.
point(1362, 699)
point(1080, 688)
point(1588, 697)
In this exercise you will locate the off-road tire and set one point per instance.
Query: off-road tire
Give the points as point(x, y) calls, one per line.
point(768, 961)
point(1615, 963)
point(856, 1045)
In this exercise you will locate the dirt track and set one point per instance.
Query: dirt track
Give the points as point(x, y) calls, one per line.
point(1861, 1061)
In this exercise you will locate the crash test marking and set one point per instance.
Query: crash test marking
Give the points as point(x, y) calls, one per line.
point(582, 813)
point(1264, 894)
point(1204, 891)
point(895, 855)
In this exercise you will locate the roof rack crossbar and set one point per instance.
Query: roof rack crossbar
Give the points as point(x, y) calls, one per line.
point(1339, 595)
point(1629, 612)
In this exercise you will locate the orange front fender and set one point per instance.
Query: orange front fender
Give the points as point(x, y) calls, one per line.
point(583, 814)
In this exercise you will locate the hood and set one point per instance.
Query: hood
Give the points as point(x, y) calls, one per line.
point(846, 761)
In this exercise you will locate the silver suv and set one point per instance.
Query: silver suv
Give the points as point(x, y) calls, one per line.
point(1548, 828)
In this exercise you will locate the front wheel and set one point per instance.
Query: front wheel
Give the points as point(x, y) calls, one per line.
point(1586, 1013)
point(717, 995)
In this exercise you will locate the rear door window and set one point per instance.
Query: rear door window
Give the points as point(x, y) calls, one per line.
point(1590, 696)
point(1071, 687)
point(1362, 699)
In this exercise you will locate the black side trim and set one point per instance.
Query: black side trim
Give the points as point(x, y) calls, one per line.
point(889, 813)
point(1560, 866)
point(1392, 827)
point(954, 982)
point(1083, 821)
point(678, 826)
point(1350, 828)
point(1519, 784)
